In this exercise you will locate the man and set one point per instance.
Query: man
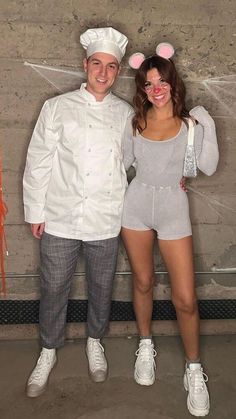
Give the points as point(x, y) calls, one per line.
point(74, 184)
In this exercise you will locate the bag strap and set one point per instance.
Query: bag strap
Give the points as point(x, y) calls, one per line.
point(190, 132)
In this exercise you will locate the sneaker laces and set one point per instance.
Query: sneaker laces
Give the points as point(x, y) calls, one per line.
point(146, 353)
point(97, 351)
point(197, 380)
point(42, 366)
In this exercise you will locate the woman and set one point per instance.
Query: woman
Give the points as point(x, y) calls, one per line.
point(155, 205)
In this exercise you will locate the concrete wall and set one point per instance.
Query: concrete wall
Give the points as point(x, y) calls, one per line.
point(47, 32)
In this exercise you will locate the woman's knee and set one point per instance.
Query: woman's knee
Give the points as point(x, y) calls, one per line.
point(185, 303)
point(143, 282)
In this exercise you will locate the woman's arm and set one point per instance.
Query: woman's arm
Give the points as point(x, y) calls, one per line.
point(128, 146)
point(206, 146)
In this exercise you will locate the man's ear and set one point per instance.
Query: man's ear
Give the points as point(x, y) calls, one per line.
point(119, 69)
point(85, 64)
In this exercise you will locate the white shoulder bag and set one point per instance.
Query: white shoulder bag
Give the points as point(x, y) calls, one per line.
point(190, 162)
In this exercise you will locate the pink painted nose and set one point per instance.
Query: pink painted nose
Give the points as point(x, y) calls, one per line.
point(157, 89)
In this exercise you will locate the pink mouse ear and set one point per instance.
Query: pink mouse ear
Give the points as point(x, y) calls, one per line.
point(165, 50)
point(136, 59)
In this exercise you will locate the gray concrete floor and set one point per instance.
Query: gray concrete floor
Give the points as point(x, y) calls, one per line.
point(71, 394)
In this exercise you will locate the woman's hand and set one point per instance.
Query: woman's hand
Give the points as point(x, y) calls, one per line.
point(183, 184)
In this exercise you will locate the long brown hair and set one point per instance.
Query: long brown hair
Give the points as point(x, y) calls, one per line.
point(168, 72)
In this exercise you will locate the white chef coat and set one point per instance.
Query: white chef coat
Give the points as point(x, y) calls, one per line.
point(74, 178)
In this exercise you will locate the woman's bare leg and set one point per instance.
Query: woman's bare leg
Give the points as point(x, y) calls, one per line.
point(178, 257)
point(139, 248)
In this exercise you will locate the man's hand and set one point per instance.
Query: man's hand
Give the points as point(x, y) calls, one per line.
point(37, 230)
point(182, 184)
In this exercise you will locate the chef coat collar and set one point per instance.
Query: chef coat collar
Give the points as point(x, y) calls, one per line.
point(91, 98)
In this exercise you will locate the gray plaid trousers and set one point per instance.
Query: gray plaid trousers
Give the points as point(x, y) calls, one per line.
point(59, 258)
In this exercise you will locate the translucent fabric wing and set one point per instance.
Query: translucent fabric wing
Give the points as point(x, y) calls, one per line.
point(62, 78)
point(217, 94)
point(67, 79)
point(222, 91)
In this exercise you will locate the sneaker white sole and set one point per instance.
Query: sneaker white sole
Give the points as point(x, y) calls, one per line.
point(33, 390)
point(192, 410)
point(144, 381)
point(98, 376)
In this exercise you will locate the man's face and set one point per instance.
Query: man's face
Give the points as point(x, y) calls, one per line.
point(102, 70)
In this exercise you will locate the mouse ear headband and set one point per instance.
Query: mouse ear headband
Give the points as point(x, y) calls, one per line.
point(164, 50)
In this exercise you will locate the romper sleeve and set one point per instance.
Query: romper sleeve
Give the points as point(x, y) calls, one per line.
point(128, 146)
point(38, 167)
point(207, 152)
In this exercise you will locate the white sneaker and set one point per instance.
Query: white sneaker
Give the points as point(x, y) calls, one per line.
point(96, 359)
point(144, 370)
point(37, 381)
point(195, 383)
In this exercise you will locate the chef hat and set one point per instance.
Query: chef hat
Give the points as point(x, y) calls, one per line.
point(106, 40)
